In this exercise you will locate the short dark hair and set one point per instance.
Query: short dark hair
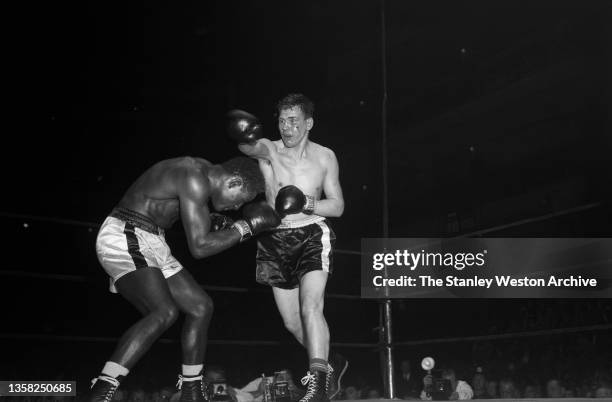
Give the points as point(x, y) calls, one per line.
point(299, 100)
point(248, 170)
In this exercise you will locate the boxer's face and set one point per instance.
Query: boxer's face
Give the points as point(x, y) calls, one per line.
point(293, 126)
point(232, 195)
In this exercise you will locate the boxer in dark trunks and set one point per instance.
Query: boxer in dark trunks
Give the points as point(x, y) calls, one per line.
point(132, 249)
point(296, 258)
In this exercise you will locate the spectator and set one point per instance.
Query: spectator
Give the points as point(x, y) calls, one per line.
point(408, 386)
point(479, 384)
point(532, 391)
point(604, 390)
point(508, 390)
point(554, 389)
point(351, 393)
point(253, 391)
point(166, 393)
point(218, 387)
point(459, 390)
point(137, 395)
point(492, 389)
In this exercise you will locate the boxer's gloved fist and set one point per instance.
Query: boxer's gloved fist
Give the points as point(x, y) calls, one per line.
point(220, 222)
point(258, 217)
point(291, 200)
point(243, 127)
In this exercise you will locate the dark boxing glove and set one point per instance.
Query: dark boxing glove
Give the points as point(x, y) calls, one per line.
point(220, 222)
point(243, 127)
point(291, 200)
point(258, 217)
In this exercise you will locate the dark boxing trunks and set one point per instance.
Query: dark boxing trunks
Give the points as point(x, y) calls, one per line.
point(285, 255)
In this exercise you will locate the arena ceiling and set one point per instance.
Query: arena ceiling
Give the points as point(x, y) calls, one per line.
point(491, 105)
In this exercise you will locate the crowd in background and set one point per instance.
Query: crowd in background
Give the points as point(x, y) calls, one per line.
point(501, 364)
point(566, 367)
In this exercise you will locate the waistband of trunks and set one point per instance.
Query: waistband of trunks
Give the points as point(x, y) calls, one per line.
point(139, 221)
point(301, 222)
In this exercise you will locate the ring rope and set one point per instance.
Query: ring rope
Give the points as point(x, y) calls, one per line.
point(525, 221)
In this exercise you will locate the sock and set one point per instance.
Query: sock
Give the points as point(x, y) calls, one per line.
point(192, 370)
point(318, 365)
point(114, 370)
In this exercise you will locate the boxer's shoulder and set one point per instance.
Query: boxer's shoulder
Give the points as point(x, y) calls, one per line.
point(190, 175)
point(276, 145)
point(322, 153)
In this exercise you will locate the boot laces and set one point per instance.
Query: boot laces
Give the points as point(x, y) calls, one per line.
point(328, 377)
point(110, 391)
point(181, 380)
point(309, 379)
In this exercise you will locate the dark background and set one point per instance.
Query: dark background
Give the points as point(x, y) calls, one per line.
point(497, 112)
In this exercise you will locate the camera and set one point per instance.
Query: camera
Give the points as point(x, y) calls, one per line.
point(217, 391)
point(440, 388)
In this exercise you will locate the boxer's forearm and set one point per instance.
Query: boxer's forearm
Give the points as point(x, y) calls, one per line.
point(329, 207)
point(214, 243)
point(257, 149)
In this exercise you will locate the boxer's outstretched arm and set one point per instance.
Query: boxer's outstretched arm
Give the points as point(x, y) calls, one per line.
point(194, 195)
point(245, 130)
point(333, 204)
point(260, 149)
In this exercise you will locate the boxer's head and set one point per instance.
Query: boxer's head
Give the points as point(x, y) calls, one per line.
point(240, 182)
point(295, 118)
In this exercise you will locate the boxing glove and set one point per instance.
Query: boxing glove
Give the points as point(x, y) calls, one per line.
point(258, 216)
point(243, 127)
point(291, 200)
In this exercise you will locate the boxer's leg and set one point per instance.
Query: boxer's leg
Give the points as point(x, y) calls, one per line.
point(312, 299)
point(288, 304)
point(146, 289)
point(192, 300)
point(316, 264)
point(197, 305)
point(311, 294)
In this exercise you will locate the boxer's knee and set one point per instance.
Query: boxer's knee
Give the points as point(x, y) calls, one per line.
point(311, 308)
point(165, 316)
point(293, 325)
point(202, 308)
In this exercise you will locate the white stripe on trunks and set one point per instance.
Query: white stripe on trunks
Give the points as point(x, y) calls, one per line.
point(325, 240)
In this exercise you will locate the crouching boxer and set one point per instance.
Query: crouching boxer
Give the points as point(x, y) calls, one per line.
point(132, 250)
point(296, 258)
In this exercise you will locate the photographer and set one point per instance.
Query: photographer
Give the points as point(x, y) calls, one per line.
point(446, 388)
point(254, 390)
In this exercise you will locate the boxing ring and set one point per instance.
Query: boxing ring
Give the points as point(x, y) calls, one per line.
point(91, 325)
point(378, 321)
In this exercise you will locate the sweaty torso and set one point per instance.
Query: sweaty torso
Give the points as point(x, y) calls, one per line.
point(307, 172)
point(155, 193)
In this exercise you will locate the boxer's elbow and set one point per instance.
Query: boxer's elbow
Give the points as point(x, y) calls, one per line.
point(199, 252)
point(338, 208)
point(331, 208)
point(200, 249)
point(214, 243)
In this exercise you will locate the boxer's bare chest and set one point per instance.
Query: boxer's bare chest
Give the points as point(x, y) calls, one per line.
point(306, 173)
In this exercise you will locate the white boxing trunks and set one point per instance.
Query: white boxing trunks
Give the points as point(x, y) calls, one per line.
point(128, 241)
